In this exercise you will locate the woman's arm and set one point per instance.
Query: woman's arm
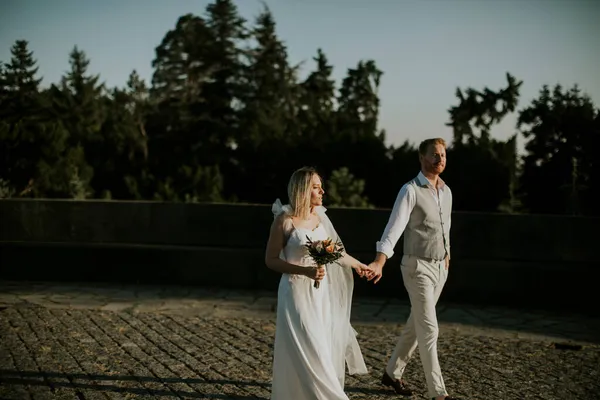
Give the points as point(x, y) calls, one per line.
point(354, 263)
point(275, 245)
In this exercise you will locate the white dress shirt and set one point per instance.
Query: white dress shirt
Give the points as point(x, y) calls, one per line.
point(405, 202)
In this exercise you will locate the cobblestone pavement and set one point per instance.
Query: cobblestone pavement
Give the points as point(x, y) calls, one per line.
point(130, 342)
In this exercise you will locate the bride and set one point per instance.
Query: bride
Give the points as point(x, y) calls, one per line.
point(314, 339)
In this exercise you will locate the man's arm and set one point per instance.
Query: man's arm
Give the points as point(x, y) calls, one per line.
point(449, 227)
point(448, 257)
point(403, 206)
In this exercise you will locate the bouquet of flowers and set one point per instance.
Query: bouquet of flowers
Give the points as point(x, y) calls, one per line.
point(324, 252)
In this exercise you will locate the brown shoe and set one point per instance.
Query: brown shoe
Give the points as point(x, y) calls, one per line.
point(398, 385)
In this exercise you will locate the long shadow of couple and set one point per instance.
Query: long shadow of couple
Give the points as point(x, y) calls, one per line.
point(108, 383)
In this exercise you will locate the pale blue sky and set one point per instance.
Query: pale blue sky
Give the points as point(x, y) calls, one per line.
point(425, 48)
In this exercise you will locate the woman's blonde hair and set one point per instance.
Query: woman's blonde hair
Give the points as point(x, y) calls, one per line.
point(299, 188)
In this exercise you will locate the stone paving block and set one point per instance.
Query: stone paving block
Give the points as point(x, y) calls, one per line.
point(153, 355)
point(221, 348)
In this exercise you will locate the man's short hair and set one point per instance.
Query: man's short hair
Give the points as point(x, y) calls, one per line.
point(424, 146)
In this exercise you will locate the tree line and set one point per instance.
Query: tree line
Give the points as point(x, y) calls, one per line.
point(227, 118)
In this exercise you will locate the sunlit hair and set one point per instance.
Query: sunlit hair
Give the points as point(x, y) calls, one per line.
point(424, 146)
point(299, 189)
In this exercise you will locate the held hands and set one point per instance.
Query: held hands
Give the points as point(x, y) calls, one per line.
point(370, 272)
point(360, 268)
point(374, 271)
point(318, 273)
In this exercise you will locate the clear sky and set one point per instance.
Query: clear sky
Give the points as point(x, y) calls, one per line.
point(426, 48)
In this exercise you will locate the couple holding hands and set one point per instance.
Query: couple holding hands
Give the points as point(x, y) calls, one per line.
point(314, 340)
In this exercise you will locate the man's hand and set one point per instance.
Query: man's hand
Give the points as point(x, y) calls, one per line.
point(447, 263)
point(374, 271)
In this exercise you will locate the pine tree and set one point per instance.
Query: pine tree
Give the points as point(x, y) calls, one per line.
point(357, 135)
point(268, 114)
point(222, 92)
point(79, 104)
point(345, 190)
point(20, 86)
point(79, 101)
point(125, 143)
point(316, 110)
point(182, 138)
point(358, 101)
point(29, 138)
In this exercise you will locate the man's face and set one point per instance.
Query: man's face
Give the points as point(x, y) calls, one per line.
point(434, 161)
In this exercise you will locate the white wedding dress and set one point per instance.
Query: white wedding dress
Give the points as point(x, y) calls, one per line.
point(313, 338)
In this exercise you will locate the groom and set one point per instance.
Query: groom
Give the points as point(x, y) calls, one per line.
point(422, 212)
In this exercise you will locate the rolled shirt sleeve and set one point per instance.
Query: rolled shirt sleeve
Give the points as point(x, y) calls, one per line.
point(405, 202)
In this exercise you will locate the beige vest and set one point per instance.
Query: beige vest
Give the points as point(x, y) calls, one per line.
point(427, 234)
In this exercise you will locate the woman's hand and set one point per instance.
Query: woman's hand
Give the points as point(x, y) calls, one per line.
point(317, 273)
point(360, 268)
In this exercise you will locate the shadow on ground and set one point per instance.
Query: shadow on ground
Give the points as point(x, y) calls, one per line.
point(113, 383)
point(558, 325)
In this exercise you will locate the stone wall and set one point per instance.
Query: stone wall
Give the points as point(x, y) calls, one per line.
point(516, 260)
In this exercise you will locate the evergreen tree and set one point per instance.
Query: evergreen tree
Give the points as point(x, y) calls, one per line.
point(343, 190)
point(180, 66)
point(317, 108)
point(357, 141)
point(270, 87)
point(139, 105)
point(222, 93)
point(19, 82)
point(29, 138)
point(269, 108)
point(181, 139)
point(358, 109)
point(125, 144)
point(227, 118)
point(79, 104)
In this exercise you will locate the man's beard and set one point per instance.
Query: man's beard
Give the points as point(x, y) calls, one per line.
point(433, 168)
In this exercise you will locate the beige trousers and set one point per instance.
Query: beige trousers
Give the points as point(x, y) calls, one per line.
point(424, 280)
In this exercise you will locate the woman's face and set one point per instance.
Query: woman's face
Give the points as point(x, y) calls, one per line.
point(316, 191)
